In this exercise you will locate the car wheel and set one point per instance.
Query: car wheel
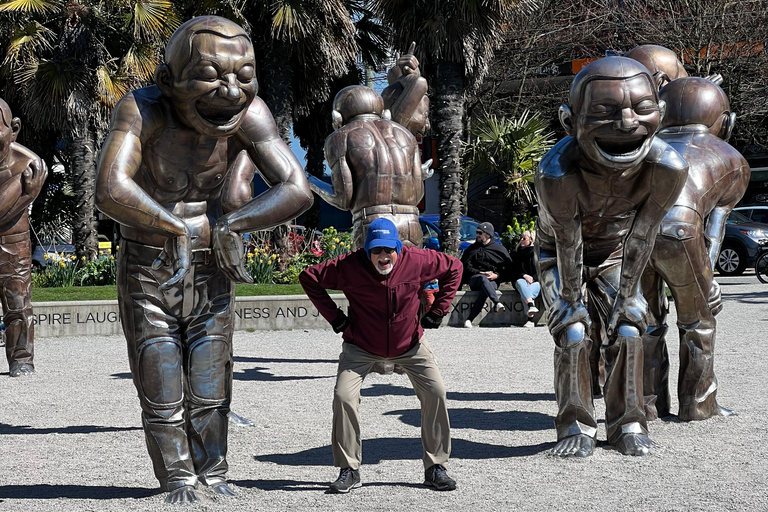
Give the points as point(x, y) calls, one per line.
point(732, 261)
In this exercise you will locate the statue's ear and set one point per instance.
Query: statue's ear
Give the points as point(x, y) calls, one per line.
point(566, 119)
point(163, 79)
point(336, 119)
point(727, 129)
point(15, 127)
point(661, 79)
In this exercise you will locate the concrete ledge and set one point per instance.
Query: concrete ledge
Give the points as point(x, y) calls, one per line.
point(263, 313)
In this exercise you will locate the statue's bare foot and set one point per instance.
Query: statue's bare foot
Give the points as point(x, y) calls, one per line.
point(21, 370)
point(184, 494)
point(579, 445)
point(635, 444)
point(223, 489)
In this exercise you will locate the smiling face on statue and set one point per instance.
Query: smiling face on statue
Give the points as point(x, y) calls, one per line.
point(616, 114)
point(209, 76)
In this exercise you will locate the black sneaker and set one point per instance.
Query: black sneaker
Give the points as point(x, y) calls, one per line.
point(348, 479)
point(435, 476)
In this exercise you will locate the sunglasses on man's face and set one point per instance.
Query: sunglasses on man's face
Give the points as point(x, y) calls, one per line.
point(377, 250)
point(480, 232)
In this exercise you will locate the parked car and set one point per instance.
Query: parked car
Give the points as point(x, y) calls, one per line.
point(755, 213)
point(431, 230)
point(741, 244)
point(51, 250)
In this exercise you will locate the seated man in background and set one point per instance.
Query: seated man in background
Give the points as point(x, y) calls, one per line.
point(485, 262)
point(383, 282)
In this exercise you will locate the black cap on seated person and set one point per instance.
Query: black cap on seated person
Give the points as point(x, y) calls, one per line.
point(486, 227)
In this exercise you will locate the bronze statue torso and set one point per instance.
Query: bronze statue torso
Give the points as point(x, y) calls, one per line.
point(381, 156)
point(185, 182)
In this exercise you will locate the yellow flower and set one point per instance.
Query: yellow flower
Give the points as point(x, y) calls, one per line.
point(336, 240)
point(261, 261)
point(111, 257)
point(82, 258)
point(109, 251)
point(72, 258)
point(45, 256)
point(333, 246)
point(117, 248)
point(62, 264)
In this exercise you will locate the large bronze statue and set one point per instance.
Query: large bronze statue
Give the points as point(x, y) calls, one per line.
point(697, 124)
point(175, 172)
point(375, 165)
point(22, 174)
point(603, 191)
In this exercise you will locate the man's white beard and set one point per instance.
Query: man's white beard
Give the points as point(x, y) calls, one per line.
point(384, 271)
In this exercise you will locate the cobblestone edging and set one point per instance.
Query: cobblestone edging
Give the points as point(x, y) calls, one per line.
point(263, 313)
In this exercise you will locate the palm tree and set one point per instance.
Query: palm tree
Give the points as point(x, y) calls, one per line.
point(511, 148)
point(67, 63)
point(455, 40)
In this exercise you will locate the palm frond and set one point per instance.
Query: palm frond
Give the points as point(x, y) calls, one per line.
point(27, 41)
point(141, 59)
point(29, 6)
point(152, 19)
point(112, 84)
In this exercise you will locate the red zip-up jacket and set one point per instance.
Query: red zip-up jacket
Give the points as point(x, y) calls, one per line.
point(384, 310)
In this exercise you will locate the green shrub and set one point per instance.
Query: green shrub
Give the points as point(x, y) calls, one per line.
point(335, 244)
point(99, 272)
point(295, 265)
point(260, 263)
point(511, 236)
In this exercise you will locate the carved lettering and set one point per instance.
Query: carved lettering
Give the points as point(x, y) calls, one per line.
point(279, 312)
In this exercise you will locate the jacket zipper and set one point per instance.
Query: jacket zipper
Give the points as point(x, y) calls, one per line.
point(391, 312)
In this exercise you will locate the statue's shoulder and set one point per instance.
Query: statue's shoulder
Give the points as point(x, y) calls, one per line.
point(560, 162)
point(663, 155)
point(139, 109)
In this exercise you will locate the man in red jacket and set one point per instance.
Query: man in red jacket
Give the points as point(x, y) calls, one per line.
point(383, 282)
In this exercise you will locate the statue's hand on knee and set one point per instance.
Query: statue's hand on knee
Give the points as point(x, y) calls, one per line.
point(563, 313)
point(715, 300)
point(178, 254)
point(228, 249)
point(628, 311)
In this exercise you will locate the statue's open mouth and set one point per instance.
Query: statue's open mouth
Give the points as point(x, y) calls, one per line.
point(219, 115)
point(622, 148)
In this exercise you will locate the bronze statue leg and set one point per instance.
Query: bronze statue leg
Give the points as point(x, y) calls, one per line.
point(625, 420)
point(15, 281)
point(596, 336)
point(181, 366)
point(688, 273)
point(575, 421)
point(655, 355)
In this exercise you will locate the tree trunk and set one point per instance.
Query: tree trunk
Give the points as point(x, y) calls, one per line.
point(277, 88)
point(83, 164)
point(277, 92)
point(315, 167)
point(447, 124)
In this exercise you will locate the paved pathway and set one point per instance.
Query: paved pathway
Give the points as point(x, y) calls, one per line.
point(70, 437)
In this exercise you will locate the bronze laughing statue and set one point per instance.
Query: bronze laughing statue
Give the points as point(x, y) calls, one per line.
point(175, 172)
point(406, 95)
point(376, 166)
point(22, 174)
point(603, 192)
point(697, 124)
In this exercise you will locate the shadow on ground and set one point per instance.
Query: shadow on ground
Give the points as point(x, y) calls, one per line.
point(393, 448)
point(388, 389)
point(484, 419)
point(53, 492)
point(73, 429)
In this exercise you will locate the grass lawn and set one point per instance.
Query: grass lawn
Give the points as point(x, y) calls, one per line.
point(72, 293)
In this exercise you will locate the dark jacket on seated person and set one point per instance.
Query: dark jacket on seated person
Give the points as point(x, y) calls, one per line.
point(523, 263)
point(483, 258)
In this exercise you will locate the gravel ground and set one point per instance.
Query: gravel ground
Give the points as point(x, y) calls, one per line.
point(71, 438)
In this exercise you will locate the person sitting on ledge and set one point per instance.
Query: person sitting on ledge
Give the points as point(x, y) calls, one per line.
point(524, 273)
point(383, 282)
point(485, 262)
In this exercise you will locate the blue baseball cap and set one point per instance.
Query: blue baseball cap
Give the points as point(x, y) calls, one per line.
point(382, 233)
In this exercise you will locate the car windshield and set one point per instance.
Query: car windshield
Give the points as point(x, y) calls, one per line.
point(468, 229)
point(737, 217)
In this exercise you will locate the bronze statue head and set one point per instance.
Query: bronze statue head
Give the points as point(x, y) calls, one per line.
point(356, 100)
point(209, 74)
point(661, 62)
point(693, 100)
point(614, 112)
point(9, 130)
